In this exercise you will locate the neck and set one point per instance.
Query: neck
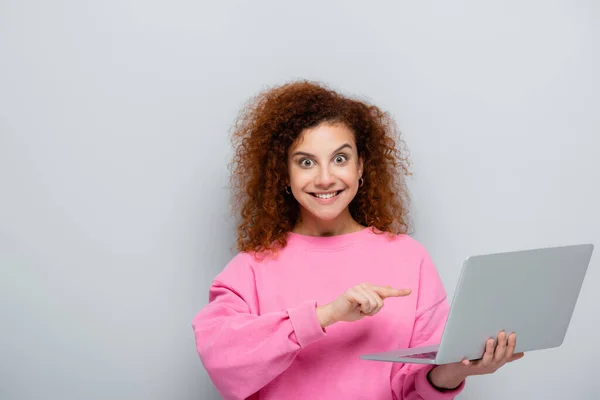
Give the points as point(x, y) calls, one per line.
point(314, 227)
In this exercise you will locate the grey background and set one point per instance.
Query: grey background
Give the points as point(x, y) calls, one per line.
point(114, 120)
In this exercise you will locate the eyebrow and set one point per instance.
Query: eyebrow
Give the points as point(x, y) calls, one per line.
point(302, 153)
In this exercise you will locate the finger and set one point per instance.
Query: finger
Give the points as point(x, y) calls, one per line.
point(378, 300)
point(500, 352)
point(510, 349)
point(516, 357)
point(372, 299)
point(488, 356)
point(387, 291)
point(357, 297)
point(370, 304)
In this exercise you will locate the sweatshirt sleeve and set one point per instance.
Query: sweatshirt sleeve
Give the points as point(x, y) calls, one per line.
point(243, 351)
point(409, 381)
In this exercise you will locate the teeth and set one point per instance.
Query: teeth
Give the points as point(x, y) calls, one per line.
point(326, 196)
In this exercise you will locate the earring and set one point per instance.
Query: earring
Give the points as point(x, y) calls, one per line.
point(361, 181)
point(287, 190)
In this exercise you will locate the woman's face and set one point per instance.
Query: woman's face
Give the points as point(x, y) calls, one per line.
point(324, 171)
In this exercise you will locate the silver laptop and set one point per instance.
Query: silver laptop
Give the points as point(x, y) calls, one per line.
point(531, 293)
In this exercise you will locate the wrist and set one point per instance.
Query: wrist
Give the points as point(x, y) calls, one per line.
point(443, 377)
point(324, 316)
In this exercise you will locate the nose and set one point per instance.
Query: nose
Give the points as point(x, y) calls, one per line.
point(325, 178)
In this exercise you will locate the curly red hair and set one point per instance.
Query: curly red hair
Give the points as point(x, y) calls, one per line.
point(271, 122)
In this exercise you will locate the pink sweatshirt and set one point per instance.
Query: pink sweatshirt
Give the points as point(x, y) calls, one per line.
point(259, 336)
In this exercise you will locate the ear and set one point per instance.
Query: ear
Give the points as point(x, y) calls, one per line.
point(361, 163)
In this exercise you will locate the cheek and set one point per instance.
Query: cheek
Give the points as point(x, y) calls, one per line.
point(349, 176)
point(299, 178)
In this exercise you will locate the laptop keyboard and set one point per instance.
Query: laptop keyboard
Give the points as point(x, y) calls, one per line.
point(429, 355)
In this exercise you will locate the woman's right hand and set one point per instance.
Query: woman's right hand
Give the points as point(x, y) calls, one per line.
point(364, 300)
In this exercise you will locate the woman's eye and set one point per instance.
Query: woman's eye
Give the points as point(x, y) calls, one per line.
point(340, 159)
point(306, 162)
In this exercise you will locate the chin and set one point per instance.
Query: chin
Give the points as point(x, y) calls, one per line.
point(324, 216)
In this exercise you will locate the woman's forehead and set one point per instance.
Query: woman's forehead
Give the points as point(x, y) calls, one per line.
point(324, 138)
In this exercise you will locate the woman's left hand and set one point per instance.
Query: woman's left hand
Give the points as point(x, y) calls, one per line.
point(449, 376)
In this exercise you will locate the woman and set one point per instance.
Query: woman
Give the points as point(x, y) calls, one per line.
point(323, 245)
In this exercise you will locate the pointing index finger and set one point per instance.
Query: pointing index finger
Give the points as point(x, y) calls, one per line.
point(388, 291)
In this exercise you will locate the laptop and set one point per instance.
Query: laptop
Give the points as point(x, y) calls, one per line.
point(529, 292)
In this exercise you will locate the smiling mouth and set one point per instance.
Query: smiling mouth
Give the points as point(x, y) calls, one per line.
point(326, 196)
